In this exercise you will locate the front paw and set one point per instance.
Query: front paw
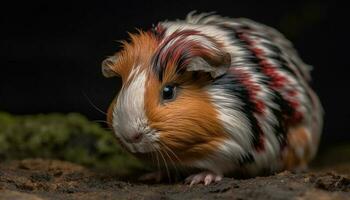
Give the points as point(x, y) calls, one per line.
point(205, 177)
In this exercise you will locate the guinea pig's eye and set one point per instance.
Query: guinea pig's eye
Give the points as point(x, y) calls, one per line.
point(168, 92)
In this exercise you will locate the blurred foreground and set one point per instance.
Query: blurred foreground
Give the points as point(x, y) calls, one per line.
point(68, 137)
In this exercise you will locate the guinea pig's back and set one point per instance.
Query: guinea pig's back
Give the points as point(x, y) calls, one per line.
point(268, 84)
point(286, 79)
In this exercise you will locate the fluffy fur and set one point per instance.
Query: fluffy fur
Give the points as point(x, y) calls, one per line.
point(242, 102)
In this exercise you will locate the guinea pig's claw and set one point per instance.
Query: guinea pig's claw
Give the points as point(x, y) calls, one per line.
point(206, 177)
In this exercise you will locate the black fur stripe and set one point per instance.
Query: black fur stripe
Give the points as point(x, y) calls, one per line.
point(249, 108)
point(246, 159)
point(280, 128)
point(232, 85)
point(282, 61)
point(156, 66)
point(281, 114)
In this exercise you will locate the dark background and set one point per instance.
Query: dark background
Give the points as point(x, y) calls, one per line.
point(51, 52)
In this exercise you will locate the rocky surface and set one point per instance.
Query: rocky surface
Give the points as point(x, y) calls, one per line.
point(51, 179)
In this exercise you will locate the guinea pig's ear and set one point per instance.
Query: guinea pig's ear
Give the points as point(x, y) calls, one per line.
point(108, 67)
point(216, 65)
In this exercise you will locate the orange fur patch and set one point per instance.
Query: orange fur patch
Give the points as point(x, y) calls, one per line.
point(297, 153)
point(138, 52)
point(188, 126)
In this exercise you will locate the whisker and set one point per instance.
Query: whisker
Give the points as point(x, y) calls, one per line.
point(152, 156)
point(177, 158)
point(92, 104)
point(171, 160)
point(166, 165)
point(171, 151)
point(156, 152)
point(166, 150)
point(102, 121)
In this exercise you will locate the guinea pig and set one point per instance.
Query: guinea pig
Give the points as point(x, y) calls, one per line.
point(215, 94)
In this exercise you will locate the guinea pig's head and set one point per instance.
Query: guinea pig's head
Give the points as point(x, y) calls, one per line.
point(163, 104)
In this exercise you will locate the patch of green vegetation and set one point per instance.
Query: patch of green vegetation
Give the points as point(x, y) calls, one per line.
point(69, 137)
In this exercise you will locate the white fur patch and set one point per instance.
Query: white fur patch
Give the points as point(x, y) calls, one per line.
point(129, 115)
point(222, 161)
point(234, 122)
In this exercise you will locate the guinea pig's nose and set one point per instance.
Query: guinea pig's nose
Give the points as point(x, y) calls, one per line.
point(134, 137)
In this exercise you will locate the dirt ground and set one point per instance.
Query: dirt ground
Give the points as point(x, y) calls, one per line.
point(49, 179)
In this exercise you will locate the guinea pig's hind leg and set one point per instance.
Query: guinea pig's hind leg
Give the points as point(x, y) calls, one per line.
point(205, 177)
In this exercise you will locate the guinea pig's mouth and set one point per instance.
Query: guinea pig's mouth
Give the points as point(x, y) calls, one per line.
point(140, 143)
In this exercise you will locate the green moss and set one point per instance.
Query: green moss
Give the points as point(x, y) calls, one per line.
point(68, 137)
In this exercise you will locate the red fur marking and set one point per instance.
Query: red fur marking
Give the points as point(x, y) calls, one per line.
point(257, 51)
point(178, 48)
point(178, 54)
point(159, 31)
point(259, 105)
point(278, 81)
point(252, 88)
point(292, 93)
point(261, 147)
